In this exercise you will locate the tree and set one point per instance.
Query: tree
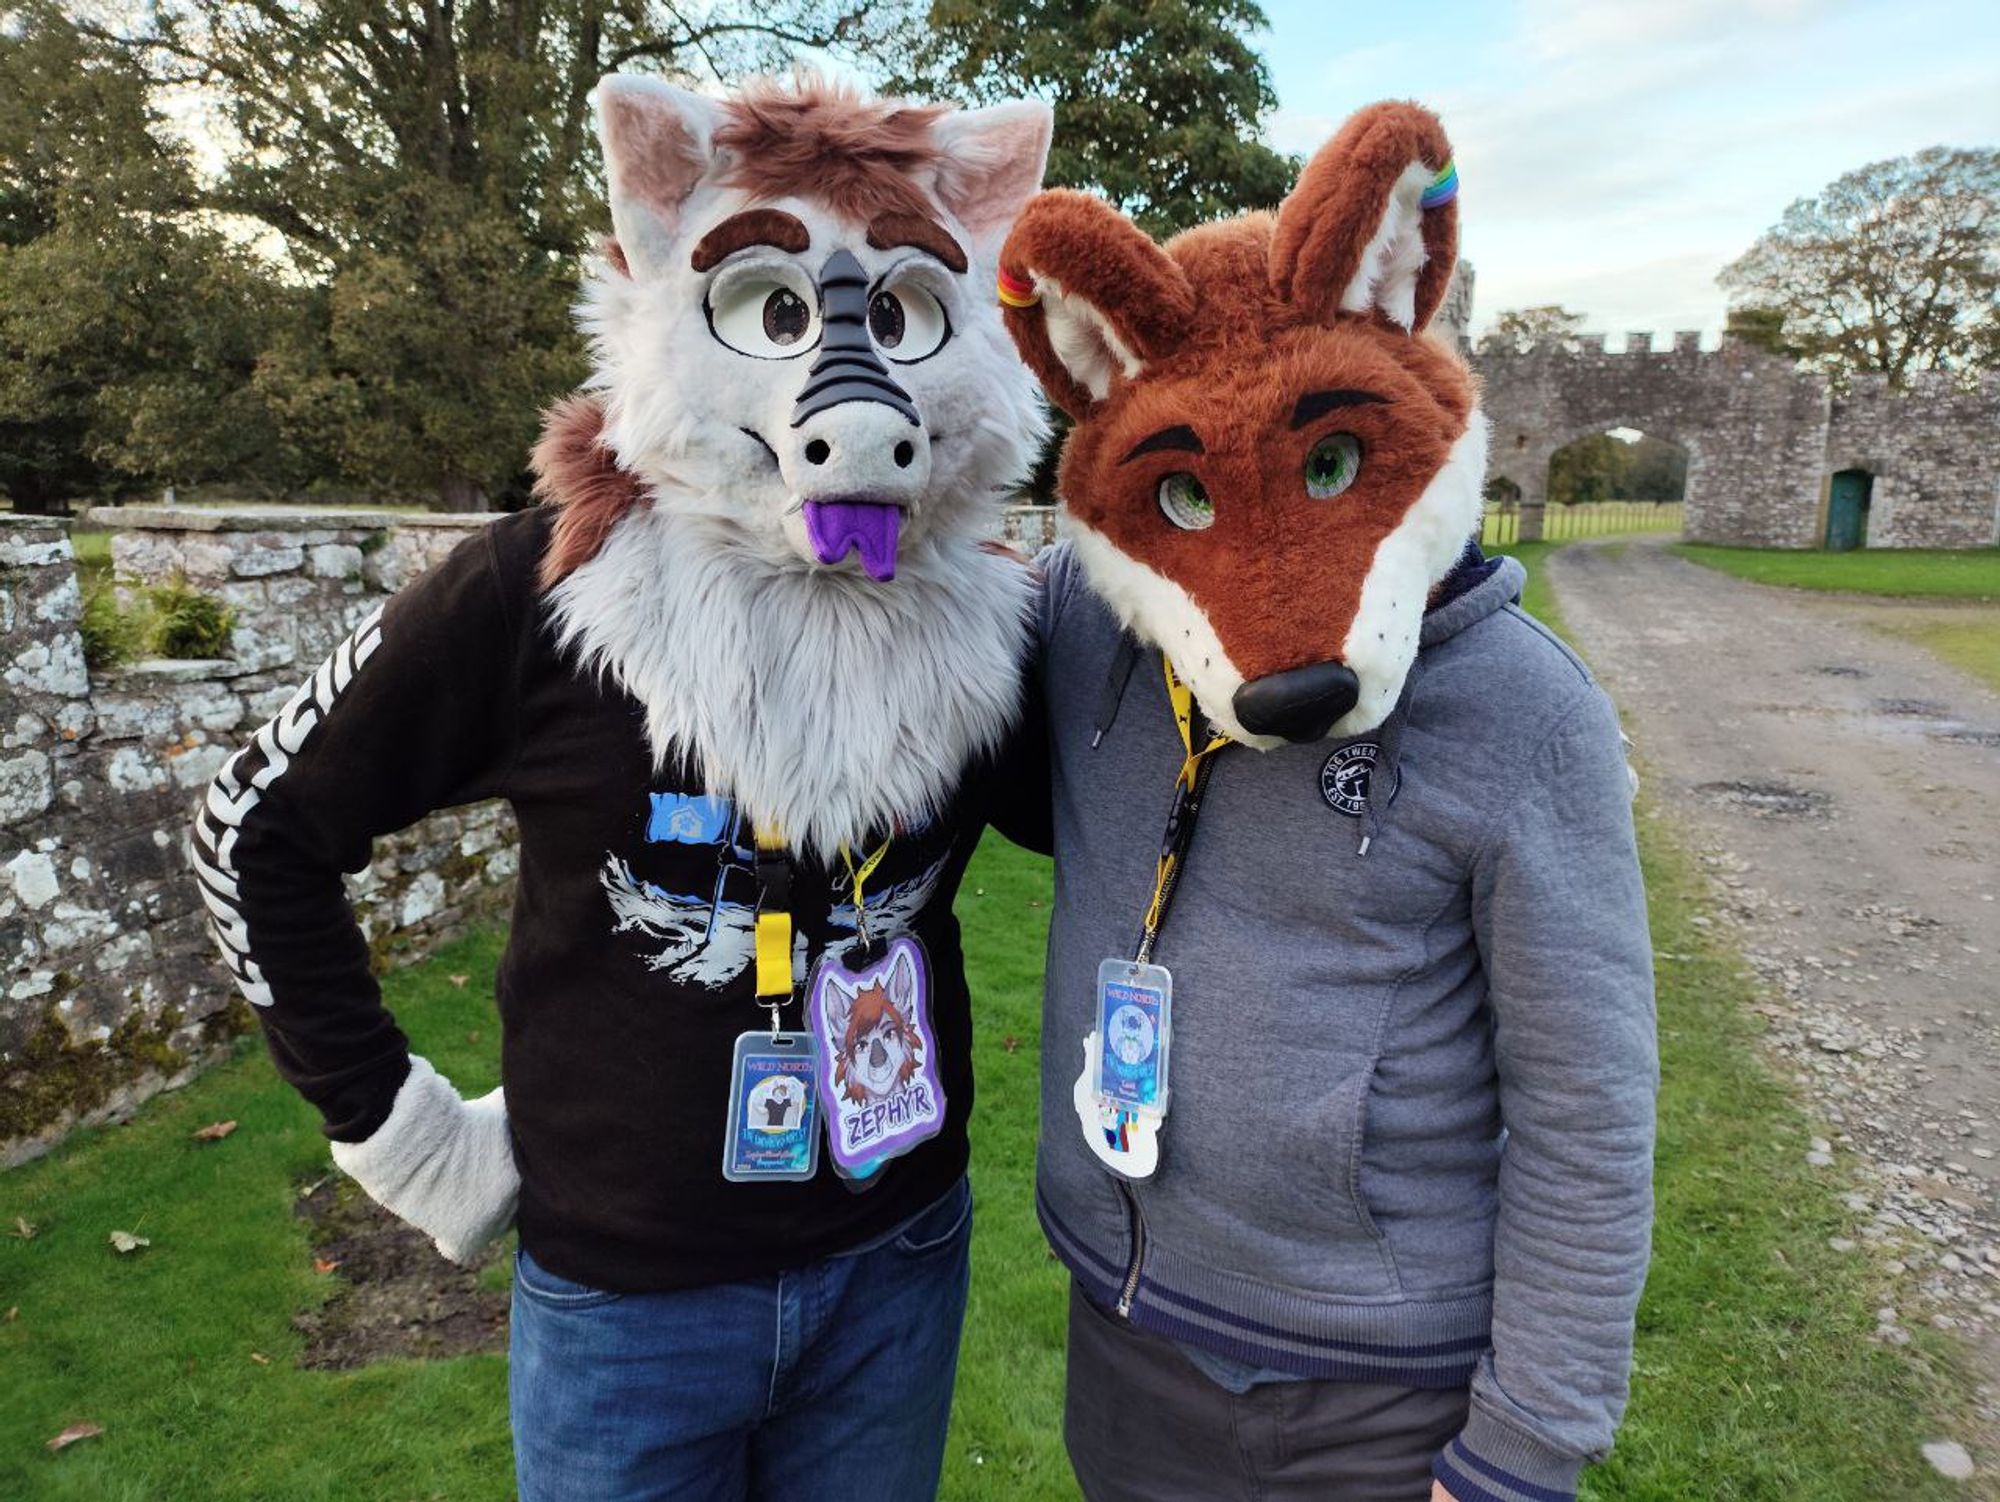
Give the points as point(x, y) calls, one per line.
point(128, 330)
point(1519, 330)
point(1608, 467)
point(1894, 267)
point(1652, 470)
point(1158, 103)
point(1586, 470)
point(427, 169)
point(1764, 328)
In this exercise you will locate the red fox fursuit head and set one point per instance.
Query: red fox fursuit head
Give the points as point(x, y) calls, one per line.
point(1272, 465)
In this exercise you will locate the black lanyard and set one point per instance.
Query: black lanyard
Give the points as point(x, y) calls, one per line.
point(1190, 787)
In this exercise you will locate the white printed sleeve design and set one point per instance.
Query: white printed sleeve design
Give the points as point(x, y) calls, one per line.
point(240, 787)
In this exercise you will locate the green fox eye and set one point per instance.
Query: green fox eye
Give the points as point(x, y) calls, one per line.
point(1185, 503)
point(1332, 465)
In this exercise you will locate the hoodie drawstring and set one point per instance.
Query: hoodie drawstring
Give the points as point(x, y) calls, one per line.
point(1385, 774)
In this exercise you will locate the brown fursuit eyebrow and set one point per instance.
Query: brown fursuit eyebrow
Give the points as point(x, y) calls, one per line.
point(1318, 403)
point(888, 230)
point(1180, 439)
point(751, 227)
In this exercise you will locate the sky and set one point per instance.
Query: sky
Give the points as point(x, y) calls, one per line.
point(1614, 155)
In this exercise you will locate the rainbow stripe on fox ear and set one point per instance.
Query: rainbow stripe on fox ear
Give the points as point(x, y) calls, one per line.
point(1443, 188)
point(1016, 293)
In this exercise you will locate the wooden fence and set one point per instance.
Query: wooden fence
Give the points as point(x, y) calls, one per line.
point(1585, 519)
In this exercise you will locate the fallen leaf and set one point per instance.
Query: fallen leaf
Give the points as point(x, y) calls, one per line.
point(74, 1433)
point(126, 1242)
point(23, 1229)
point(12, 1314)
point(473, 1036)
point(260, 1358)
point(458, 980)
point(324, 1265)
point(1011, 1043)
point(215, 1131)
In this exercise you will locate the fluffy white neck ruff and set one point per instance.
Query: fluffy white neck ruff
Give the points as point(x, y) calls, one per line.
point(822, 702)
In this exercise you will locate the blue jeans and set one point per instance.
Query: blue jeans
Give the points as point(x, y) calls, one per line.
point(832, 1382)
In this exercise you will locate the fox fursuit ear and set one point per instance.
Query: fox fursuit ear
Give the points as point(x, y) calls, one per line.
point(656, 148)
point(989, 162)
point(1355, 235)
point(1089, 298)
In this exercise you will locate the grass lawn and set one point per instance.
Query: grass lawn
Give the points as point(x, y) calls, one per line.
point(93, 549)
point(1967, 639)
point(1916, 573)
point(1756, 1379)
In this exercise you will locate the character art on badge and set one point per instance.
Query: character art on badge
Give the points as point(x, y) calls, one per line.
point(879, 1049)
point(876, 1054)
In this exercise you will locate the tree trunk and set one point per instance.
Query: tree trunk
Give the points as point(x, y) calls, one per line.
point(33, 499)
point(461, 493)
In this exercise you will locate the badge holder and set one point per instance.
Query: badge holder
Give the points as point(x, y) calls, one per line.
point(1121, 1096)
point(869, 1013)
point(773, 1132)
point(772, 1135)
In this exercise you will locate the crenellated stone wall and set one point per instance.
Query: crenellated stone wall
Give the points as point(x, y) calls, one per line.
point(1934, 452)
point(1762, 437)
point(113, 990)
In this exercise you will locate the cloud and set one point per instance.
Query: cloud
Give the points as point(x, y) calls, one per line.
point(1616, 155)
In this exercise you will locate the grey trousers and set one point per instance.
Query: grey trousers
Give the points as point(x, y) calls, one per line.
point(1143, 1424)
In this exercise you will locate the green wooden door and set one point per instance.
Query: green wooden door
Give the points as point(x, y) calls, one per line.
point(1847, 510)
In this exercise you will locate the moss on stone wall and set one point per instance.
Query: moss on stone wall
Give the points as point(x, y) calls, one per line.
point(53, 1076)
point(459, 868)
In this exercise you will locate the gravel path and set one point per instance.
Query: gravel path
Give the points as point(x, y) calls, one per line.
point(1842, 788)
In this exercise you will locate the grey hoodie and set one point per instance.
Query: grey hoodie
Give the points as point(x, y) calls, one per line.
point(1413, 1061)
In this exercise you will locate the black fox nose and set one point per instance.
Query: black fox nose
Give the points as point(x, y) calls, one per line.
point(877, 1055)
point(1299, 704)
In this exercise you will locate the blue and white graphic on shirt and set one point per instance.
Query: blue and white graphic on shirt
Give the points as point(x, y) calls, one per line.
point(710, 940)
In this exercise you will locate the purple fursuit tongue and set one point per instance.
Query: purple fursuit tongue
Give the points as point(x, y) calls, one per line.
point(869, 527)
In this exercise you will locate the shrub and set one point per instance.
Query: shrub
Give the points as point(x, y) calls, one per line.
point(169, 620)
point(110, 635)
point(185, 622)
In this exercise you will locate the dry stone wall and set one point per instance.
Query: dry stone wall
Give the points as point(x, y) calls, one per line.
point(113, 989)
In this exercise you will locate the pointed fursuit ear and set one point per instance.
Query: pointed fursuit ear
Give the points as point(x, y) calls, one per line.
point(989, 162)
point(839, 1007)
point(1372, 225)
point(656, 149)
point(903, 982)
point(1089, 298)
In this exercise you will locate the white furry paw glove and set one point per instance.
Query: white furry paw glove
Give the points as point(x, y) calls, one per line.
point(443, 1164)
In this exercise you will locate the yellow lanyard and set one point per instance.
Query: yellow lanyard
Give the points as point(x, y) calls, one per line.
point(1182, 699)
point(774, 919)
point(859, 878)
point(774, 928)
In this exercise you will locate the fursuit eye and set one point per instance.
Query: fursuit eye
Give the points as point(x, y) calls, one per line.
point(1184, 503)
point(764, 316)
point(1332, 465)
point(786, 317)
point(908, 323)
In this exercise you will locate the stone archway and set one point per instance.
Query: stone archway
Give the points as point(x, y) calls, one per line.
point(1753, 427)
point(1615, 465)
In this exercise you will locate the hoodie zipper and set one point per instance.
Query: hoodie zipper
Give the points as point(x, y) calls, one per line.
point(1136, 1219)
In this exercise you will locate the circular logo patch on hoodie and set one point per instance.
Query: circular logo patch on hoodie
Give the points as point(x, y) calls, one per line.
point(1343, 781)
